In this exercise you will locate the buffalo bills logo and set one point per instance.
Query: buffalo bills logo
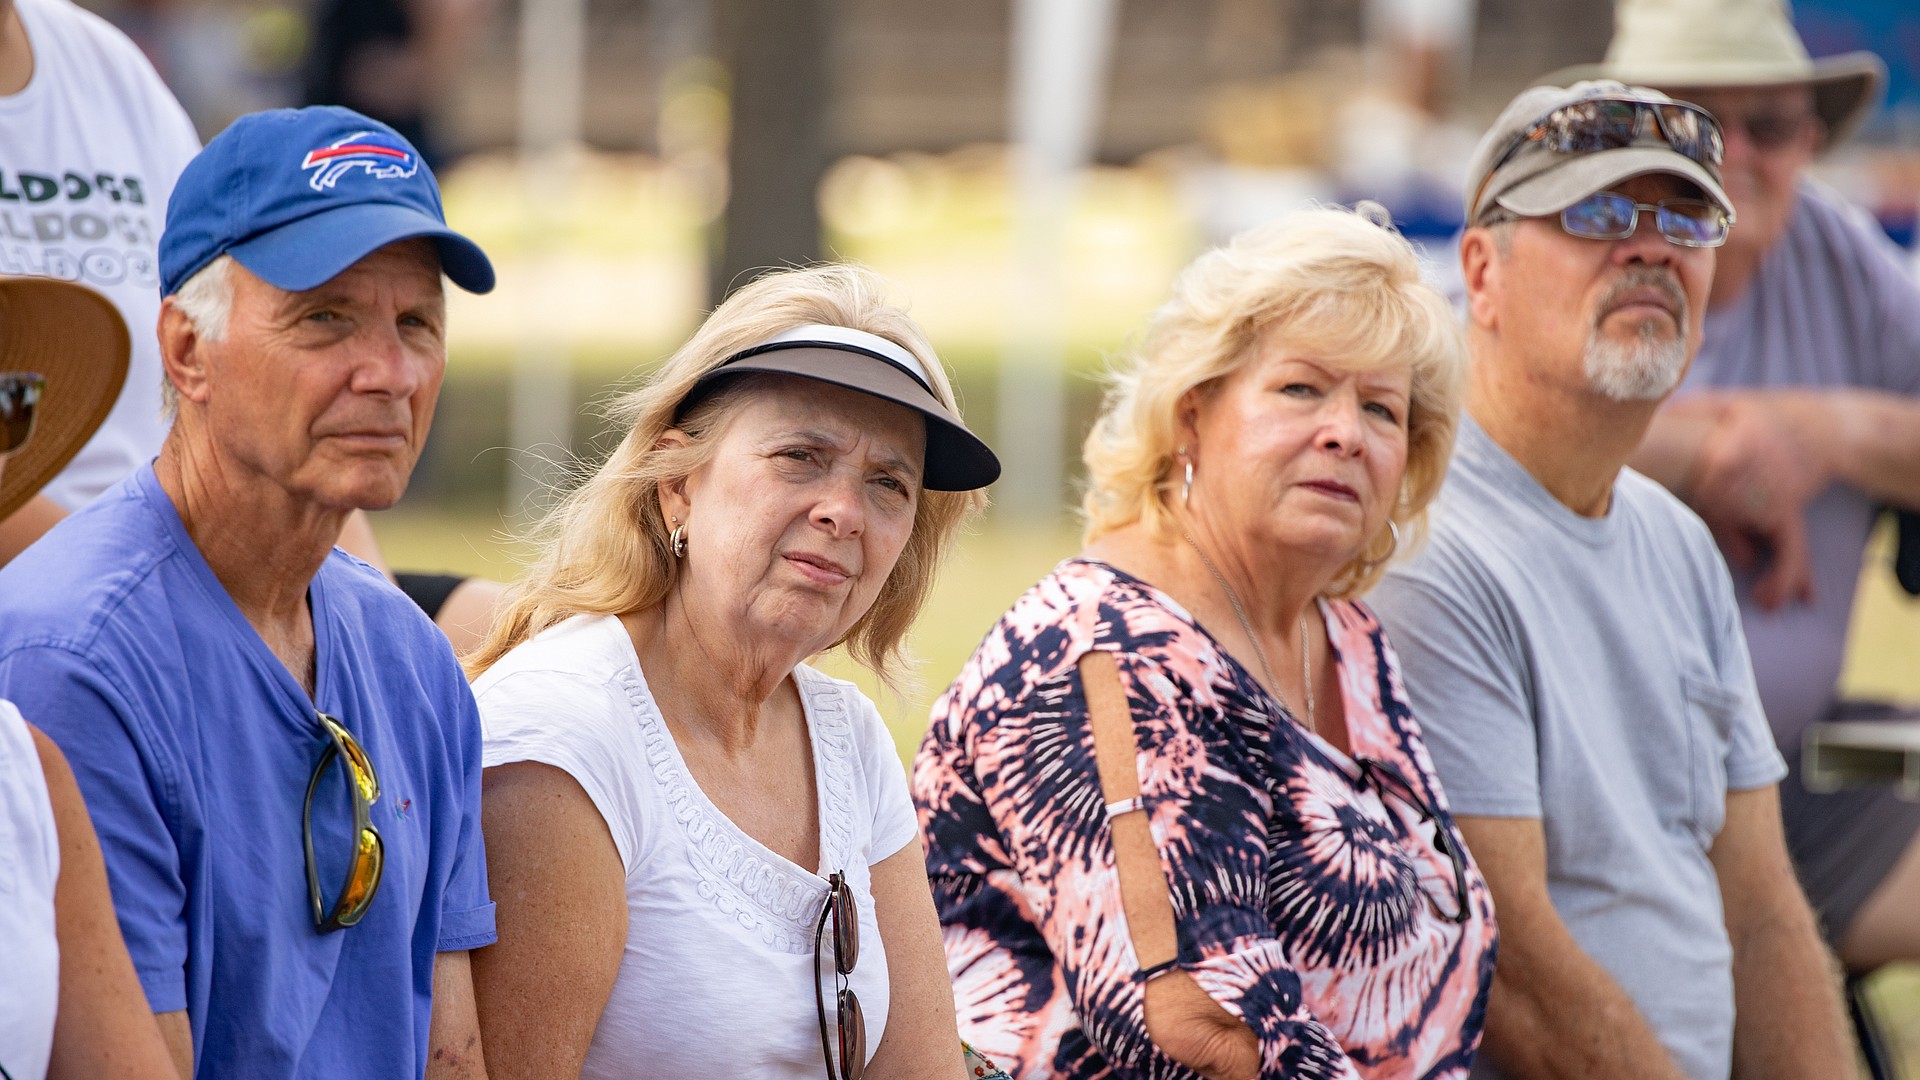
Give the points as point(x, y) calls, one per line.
point(383, 156)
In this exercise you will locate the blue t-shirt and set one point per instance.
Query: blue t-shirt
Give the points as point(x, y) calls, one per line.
point(193, 745)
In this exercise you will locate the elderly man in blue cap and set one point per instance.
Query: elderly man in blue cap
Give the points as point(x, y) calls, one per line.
point(278, 750)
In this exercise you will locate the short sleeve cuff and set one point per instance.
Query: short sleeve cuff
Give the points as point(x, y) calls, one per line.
point(895, 831)
point(1467, 803)
point(602, 791)
point(1757, 773)
point(463, 930)
point(166, 990)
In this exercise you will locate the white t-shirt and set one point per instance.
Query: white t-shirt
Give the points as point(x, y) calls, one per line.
point(29, 867)
point(718, 975)
point(89, 152)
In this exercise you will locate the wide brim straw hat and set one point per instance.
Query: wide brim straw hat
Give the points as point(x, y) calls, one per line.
point(76, 340)
point(1688, 44)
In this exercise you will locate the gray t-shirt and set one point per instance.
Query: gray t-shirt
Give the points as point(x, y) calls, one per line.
point(1591, 673)
point(1832, 306)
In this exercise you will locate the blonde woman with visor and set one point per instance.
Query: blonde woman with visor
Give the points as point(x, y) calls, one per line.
point(701, 848)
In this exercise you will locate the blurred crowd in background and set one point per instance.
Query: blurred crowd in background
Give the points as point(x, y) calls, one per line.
point(884, 130)
point(1358, 97)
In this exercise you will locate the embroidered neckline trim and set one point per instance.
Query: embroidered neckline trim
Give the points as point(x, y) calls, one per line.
point(742, 878)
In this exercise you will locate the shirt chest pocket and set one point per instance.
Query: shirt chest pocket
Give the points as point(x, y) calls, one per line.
point(1710, 712)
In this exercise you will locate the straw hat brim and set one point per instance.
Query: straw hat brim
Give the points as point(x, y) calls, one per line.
point(1845, 86)
point(75, 338)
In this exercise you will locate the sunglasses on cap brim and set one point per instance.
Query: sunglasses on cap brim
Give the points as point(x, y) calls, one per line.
point(1614, 123)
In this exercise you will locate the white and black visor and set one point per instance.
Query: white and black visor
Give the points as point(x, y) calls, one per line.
point(957, 460)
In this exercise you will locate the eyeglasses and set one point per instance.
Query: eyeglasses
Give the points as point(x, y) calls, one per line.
point(1768, 130)
point(1611, 123)
point(841, 911)
point(19, 396)
point(1609, 215)
point(1390, 781)
point(369, 853)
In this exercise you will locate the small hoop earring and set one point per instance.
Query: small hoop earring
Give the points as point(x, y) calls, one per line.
point(1393, 532)
point(1186, 489)
point(678, 541)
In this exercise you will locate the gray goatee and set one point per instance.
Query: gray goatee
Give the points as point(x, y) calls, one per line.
point(1650, 365)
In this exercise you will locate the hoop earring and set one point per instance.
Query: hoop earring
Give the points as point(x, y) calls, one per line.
point(678, 541)
point(1186, 489)
point(1393, 532)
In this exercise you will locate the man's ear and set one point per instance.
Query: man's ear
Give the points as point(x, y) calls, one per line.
point(1481, 270)
point(182, 352)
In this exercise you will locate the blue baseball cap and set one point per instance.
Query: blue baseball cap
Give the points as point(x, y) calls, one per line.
point(299, 195)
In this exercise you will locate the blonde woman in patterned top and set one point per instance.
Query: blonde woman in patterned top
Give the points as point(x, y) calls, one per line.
point(1272, 443)
point(702, 849)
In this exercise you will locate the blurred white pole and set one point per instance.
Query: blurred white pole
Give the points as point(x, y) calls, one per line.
point(1061, 49)
point(679, 32)
point(553, 41)
point(1438, 28)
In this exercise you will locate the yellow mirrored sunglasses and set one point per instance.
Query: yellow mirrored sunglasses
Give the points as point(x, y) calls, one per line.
point(369, 853)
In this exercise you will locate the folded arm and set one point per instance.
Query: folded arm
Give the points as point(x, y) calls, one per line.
point(1749, 462)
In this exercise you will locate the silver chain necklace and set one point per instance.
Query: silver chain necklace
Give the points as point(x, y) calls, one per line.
point(1260, 653)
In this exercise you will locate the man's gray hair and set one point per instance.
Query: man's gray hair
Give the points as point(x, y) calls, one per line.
point(1502, 231)
point(206, 299)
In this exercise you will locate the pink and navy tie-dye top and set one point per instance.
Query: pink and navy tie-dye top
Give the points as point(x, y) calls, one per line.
point(1310, 898)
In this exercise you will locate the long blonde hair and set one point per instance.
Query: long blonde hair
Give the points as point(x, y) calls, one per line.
point(603, 549)
point(1339, 283)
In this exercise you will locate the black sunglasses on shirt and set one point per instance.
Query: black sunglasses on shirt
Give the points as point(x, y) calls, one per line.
point(1390, 781)
point(841, 913)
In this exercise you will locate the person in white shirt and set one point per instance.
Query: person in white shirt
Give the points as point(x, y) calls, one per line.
point(93, 143)
point(703, 853)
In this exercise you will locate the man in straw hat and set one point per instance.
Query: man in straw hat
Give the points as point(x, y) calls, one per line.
point(70, 1005)
point(1572, 636)
point(65, 359)
point(279, 751)
point(1800, 419)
